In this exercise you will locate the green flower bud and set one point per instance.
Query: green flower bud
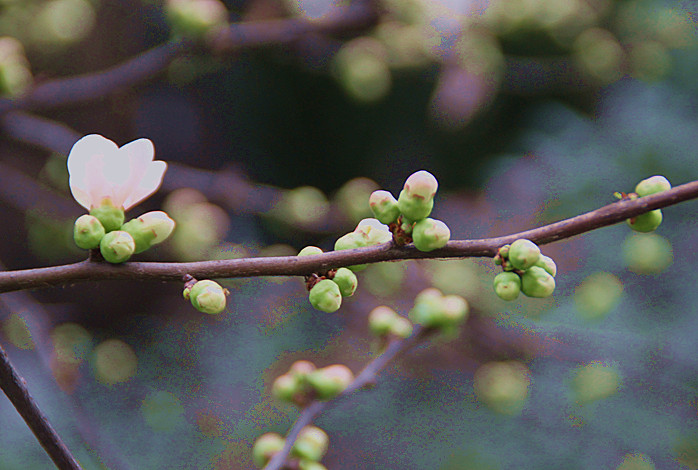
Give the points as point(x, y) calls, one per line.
point(430, 234)
point(149, 229)
point(414, 208)
point(502, 386)
point(523, 253)
point(422, 185)
point(265, 447)
point(350, 241)
point(434, 310)
point(384, 206)
point(286, 387)
point(325, 296)
point(310, 250)
point(455, 310)
point(112, 218)
point(311, 444)
point(548, 264)
point(401, 327)
point(330, 381)
point(507, 285)
point(646, 222)
point(346, 280)
point(381, 319)
point(652, 185)
point(88, 232)
point(537, 282)
point(195, 17)
point(208, 297)
point(374, 231)
point(647, 253)
point(117, 246)
point(301, 369)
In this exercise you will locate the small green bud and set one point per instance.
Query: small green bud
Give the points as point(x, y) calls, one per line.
point(652, 185)
point(195, 17)
point(265, 447)
point(401, 327)
point(88, 232)
point(325, 296)
point(523, 253)
point(301, 369)
point(421, 185)
point(310, 250)
point(384, 206)
point(117, 246)
point(647, 253)
point(112, 218)
point(285, 387)
point(414, 208)
point(374, 231)
point(350, 241)
point(647, 222)
point(455, 310)
point(507, 285)
point(548, 264)
point(430, 234)
point(346, 280)
point(434, 310)
point(537, 282)
point(311, 444)
point(330, 381)
point(149, 229)
point(381, 319)
point(208, 297)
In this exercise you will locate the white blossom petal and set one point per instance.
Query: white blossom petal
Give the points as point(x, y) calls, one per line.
point(84, 171)
point(149, 182)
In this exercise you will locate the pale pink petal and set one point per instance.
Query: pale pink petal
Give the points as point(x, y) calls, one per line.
point(134, 159)
point(148, 184)
point(85, 175)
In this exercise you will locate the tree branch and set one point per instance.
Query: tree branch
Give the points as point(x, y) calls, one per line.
point(305, 265)
point(365, 378)
point(15, 387)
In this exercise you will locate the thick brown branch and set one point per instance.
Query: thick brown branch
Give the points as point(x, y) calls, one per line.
point(365, 378)
point(295, 266)
point(15, 388)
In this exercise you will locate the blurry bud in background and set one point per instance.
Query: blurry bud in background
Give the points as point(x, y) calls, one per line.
point(114, 361)
point(595, 381)
point(647, 253)
point(265, 447)
point(599, 54)
point(636, 462)
point(502, 386)
point(304, 207)
point(15, 72)
point(163, 411)
point(361, 68)
point(196, 18)
point(60, 23)
point(352, 198)
point(598, 295)
point(14, 329)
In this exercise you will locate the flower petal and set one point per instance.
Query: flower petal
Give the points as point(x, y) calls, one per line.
point(85, 174)
point(133, 160)
point(148, 184)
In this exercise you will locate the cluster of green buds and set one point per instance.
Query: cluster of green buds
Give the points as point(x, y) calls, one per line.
point(408, 215)
point(325, 292)
point(433, 309)
point(649, 221)
point(525, 270)
point(307, 451)
point(104, 228)
point(206, 296)
point(304, 382)
point(385, 322)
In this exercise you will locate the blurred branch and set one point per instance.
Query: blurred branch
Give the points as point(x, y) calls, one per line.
point(365, 378)
point(15, 387)
point(305, 265)
point(82, 88)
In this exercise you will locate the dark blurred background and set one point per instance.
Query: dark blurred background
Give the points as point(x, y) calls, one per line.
point(527, 111)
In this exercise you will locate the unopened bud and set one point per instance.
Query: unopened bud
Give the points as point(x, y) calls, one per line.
point(384, 206)
point(265, 447)
point(537, 282)
point(422, 185)
point(330, 381)
point(311, 444)
point(652, 185)
point(325, 296)
point(430, 234)
point(208, 297)
point(149, 229)
point(346, 281)
point(88, 232)
point(111, 217)
point(117, 246)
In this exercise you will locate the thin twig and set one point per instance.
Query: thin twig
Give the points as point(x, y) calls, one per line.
point(305, 265)
point(15, 387)
point(365, 378)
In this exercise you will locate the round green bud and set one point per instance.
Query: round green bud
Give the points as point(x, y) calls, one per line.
point(428, 308)
point(647, 253)
point(265, 447)
point(350, 241)
point(507, 285)
point(455, 310)
point(537, 282)
point(301, 369)
point(652, 185)
point(421, 185)
point(548, 264)
point(647, 222)
point(208, 297)
point(325, 296)
point(346, 280)
point(384, 206)
point(523, 253)
point(88, 232)
point(286, 387)
point(149, 229)
point(330, 381)
point(311, 444)
point(381, 319)
point(401, 327)
point(112, 218)
point(414, 207)
point(195, 18)
point(117, 246)
point(430, 234)
point(374, 231)
point(310, 250)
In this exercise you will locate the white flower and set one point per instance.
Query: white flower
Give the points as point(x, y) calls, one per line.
point(101, 172)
